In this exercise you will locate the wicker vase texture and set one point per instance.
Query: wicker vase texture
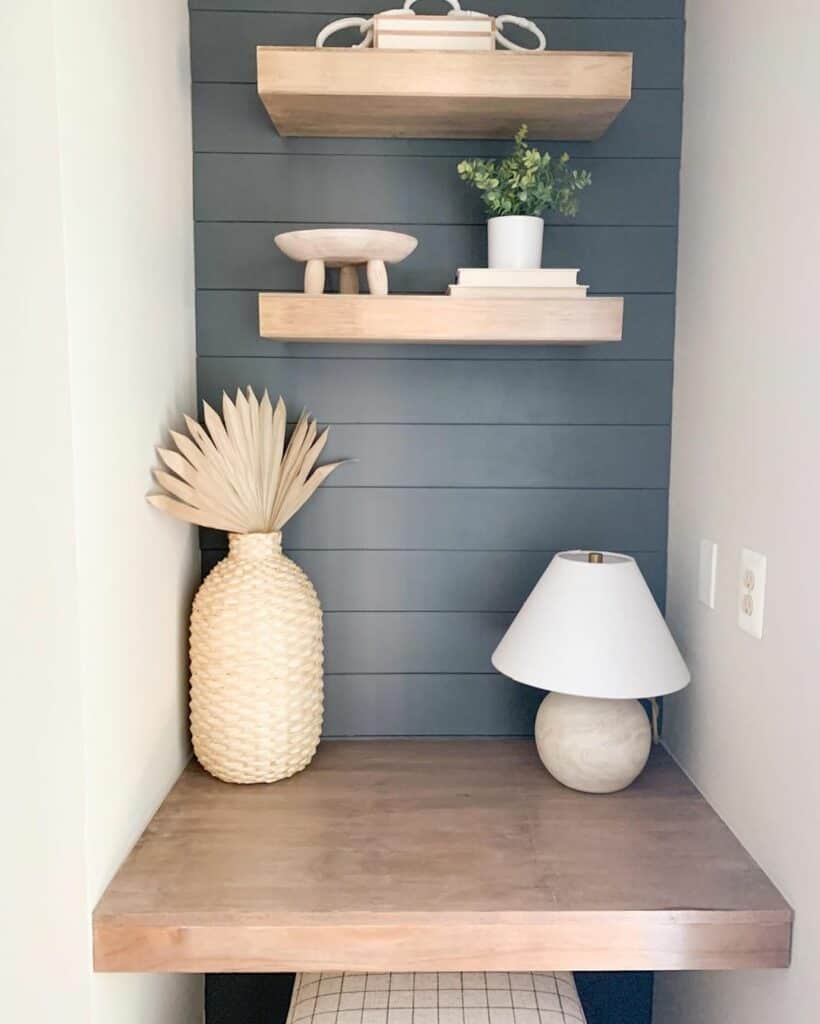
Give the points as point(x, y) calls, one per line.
point(256, 625)
point(256, 664)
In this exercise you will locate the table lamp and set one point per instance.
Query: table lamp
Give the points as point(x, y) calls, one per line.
point(591, 633)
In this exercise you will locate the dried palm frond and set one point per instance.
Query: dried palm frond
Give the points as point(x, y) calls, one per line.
point(237, 475)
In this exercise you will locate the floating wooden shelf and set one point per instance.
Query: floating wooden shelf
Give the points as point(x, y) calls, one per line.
point(438, 855)
point(439, 318)
point(404, 94)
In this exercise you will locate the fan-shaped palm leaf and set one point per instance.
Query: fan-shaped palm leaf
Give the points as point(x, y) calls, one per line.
point(237, 474)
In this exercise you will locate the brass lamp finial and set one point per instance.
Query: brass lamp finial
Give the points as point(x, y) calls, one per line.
point(595, 557)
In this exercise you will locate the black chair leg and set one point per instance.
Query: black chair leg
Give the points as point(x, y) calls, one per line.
point(247, 998)
point(623, 997)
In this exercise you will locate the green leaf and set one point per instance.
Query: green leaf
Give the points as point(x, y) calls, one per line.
point(527, 181)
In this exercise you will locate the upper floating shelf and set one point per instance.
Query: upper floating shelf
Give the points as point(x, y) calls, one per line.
point(422, 94)
point(439, 319)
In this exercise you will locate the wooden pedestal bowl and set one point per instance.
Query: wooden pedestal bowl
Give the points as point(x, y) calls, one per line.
point(347, 248)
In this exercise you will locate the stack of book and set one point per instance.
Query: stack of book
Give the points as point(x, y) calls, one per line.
point(546, 283)
point(406, 30)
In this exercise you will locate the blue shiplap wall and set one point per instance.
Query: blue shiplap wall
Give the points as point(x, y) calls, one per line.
point(475, 463)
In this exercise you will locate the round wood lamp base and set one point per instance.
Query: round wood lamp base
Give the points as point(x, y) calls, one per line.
point(592, 744)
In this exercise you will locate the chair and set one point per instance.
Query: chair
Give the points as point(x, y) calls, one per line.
point(492, 997)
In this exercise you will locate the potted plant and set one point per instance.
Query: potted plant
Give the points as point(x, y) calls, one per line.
point(256, 624)
point(516, 192)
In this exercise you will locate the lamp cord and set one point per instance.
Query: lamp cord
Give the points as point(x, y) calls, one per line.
point(656, 711)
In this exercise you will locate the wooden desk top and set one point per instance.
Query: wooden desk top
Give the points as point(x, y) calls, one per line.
point(438, 855)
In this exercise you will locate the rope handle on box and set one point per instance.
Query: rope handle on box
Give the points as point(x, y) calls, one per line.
point(455, 7)
point(524, 23)
point(365, 26)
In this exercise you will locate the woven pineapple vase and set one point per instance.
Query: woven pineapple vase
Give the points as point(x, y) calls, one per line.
point(256, 664)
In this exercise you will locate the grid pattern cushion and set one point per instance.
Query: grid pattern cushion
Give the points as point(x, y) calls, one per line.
point(492, 997)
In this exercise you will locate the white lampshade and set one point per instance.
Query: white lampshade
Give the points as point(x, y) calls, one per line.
point(592, 630)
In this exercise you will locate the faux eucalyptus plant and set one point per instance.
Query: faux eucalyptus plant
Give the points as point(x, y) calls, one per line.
point(527, 182)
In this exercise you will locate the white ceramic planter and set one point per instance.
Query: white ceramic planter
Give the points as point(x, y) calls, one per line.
point(515, 243)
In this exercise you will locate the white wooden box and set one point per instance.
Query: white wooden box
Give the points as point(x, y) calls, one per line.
point(432, 32)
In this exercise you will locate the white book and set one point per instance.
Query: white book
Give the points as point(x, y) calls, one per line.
point(422, 41)
point(435, 24)
point(433, 32)
point(462, 291)
point(547, 277)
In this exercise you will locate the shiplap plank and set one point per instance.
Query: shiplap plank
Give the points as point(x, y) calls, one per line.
point(412, 455)
point(399, 642)
point(229, 118)
point(491, 518)
point(433, 581)
point(454, 390)
point(223, 44)
point(409, 189)
point(614, 260)
point(428, 705)
point(227, 324)
point(527, 8)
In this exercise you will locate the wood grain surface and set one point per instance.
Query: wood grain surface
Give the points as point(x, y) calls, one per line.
point(444, 318)
point(377, 93)
point(438, 855)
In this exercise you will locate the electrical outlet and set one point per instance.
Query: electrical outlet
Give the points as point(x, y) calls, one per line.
point(751, 592)
point(707, 573)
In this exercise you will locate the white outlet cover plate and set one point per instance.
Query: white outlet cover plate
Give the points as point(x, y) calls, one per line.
point(751, 592)
point(707, 573)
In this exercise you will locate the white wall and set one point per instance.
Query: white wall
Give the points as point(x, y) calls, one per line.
point(745, 465)
point(98, 254)
point(42, 855)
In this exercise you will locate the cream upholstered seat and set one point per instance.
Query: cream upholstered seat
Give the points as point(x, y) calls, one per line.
point(492, 997)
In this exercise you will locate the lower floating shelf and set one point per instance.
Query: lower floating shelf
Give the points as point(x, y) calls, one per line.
point(438, 855)
point(439, 318)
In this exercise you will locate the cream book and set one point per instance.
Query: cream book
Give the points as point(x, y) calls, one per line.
point(462, 291)
point(405, 41)
point(546, 277)
point(433, 32)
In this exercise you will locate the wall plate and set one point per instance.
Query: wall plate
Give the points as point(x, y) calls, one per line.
point(751, 592)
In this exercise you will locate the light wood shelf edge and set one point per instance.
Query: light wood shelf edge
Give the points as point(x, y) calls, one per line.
point(629, 941)
point(371, 93)
point(445, 319)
